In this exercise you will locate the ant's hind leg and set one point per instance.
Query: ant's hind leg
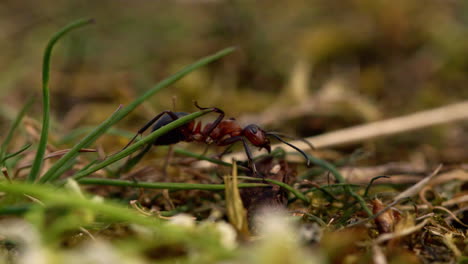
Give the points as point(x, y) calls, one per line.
point(151, 122)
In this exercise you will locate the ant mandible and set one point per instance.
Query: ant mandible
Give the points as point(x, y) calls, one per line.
point(220, 132)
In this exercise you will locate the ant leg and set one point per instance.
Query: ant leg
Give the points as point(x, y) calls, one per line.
point(225, 152)
point(151, 122)
point(250, 158)
point(233, 140)
point(132, 161)
point(215, 123)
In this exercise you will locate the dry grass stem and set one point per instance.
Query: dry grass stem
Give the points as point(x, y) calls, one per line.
point(378, 255)
point(451, 202)
point(413, 190)
point(385, 237)
point(453, 216)
point(397, 125)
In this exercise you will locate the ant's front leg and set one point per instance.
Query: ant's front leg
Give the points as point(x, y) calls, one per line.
point(232, 140)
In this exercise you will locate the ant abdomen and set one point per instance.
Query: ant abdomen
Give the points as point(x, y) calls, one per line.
point(173, 136)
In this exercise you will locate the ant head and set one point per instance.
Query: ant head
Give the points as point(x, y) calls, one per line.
point(257, 137)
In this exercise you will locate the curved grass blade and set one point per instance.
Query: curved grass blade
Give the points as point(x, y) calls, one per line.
point(90, 138)
point(6, 142)
point(46, 97)
point(55, 171)
point(14, 154)
point(328, 166)
point(366, 193)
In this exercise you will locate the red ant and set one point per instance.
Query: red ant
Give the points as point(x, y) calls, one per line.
point(220, 132)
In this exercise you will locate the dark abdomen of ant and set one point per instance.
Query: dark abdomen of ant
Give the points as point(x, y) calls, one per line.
point(174, 136)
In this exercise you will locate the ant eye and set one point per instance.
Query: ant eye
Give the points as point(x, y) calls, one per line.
point(253, 129)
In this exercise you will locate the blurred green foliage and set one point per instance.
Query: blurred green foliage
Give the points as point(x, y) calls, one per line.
point(374, 58)
point(396, 56)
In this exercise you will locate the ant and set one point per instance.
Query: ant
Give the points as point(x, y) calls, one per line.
point(220, 132)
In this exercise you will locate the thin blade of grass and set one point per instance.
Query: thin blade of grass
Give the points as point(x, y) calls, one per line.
point(36, 168)
point(70, 137)
point(147, 140)
point(57, 169)
point(133, 161)
point(285, 186)
point(164, 185)
point(16, 153)
point(6, 142)
point(102, 128)
point(328, 166)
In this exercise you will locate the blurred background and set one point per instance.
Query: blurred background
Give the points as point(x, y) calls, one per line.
point(303, 68)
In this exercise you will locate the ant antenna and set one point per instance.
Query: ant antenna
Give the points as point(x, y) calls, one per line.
point(174, 101)
point(312, 147)
point(292, 146)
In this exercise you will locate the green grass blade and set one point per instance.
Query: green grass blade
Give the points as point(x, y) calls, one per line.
point(46, 194)
point(133, 161)
point(14, 154)
point(165, 185)
point(283, 185)
point(15, 210)
point(56, 170)
point(90, 138)
point(6, 142)
point(328, 166)
point(147, 140)
point(70, 137)
point(37, 164)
